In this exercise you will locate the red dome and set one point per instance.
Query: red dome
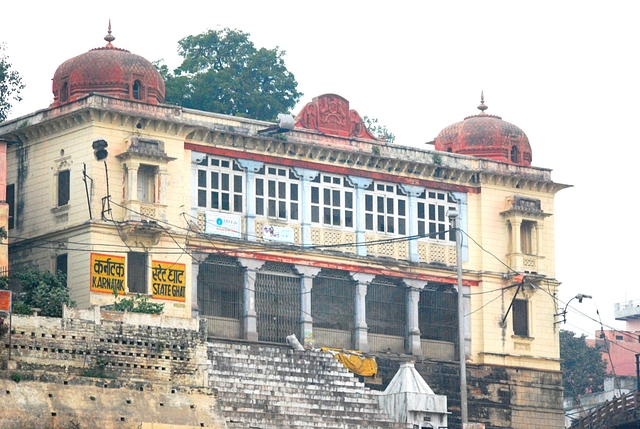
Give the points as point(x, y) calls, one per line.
point(108, 70)
point(486, 136)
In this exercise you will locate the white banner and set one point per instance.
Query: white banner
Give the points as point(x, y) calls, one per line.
point(223, 224)
point(283, 234)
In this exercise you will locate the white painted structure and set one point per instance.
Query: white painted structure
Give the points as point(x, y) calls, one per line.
point(409, 399)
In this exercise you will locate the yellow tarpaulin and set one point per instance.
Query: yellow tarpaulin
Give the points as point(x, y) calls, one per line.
point(354, 362)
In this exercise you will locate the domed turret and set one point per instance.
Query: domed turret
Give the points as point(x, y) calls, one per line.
point(486, 136)
point(110, 71)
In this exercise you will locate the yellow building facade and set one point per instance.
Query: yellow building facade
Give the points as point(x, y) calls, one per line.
point(313, 228)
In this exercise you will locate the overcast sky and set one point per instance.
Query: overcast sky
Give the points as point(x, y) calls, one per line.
point(566, 72)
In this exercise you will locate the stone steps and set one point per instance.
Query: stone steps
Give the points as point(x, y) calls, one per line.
point(277, 387)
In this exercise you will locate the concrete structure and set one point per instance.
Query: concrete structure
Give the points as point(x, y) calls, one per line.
point(409, 399)
point(322, 231)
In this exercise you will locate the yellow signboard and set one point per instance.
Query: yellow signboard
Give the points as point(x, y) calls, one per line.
point(168, 281)
point(107, 273)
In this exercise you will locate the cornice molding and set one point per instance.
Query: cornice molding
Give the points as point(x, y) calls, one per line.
point(215, 131)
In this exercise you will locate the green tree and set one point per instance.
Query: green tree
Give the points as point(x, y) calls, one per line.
point(38, 289)
point(379, 130)
point(583, 369)
point(223, 72)
point(10, 84)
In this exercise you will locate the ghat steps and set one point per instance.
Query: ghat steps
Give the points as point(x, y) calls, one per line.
point(273, 387)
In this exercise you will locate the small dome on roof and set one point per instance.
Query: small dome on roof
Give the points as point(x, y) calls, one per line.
point(486, 136)
point(110, 71)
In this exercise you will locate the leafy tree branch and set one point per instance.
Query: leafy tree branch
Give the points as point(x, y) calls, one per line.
point(583, 369)
point(10, 84)
point(223, 72)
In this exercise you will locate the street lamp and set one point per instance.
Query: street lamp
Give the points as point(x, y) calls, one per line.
point(579, 297)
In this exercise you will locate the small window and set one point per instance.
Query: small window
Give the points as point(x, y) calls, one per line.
point(61, 265)
point(515, 154)
point(137, 90)
point(520, 313)
point(11, 201)
point(527, 237)
point(64, 177)
point(147, 183)
point(64, 92)
point(137, 272)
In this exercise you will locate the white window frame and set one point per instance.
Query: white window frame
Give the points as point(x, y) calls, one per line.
point(220, 185)
point(147, 183)
point(278, 193)
point(433, 206)
point(386, 209)
point(332, 201)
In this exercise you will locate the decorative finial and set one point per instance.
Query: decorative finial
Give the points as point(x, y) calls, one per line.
point(109, 38)
point(482, 107)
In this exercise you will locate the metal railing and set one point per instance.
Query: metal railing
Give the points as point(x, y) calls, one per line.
point(618, 411)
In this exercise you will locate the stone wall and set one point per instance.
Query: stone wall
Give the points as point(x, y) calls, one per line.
point(85, 403)
point(499, 397)
point(100, 369)
point(93, 342)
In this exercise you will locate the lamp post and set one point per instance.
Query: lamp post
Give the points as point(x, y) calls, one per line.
point(454, 219)
point(579, 297)
point(101, 153)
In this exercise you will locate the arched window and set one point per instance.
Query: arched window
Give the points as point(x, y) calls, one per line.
point(137, 90)
point(64, 92)
point(515, 154)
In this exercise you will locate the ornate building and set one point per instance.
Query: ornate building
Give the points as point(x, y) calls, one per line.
point(319, 230)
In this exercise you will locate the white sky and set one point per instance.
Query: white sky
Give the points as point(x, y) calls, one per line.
point(566, 72)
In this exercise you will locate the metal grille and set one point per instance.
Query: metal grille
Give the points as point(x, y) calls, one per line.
point(333, 300)
point(438, 314)
point(277, 302)
point(386, 307)
point(220, 287)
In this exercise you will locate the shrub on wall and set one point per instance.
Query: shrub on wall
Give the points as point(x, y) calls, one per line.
point(137, 304)
point(37, 289)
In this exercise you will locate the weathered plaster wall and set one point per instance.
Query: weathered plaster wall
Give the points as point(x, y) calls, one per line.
point(146, 347)
point(103, 369)
point(87, 403)
point(500, 397)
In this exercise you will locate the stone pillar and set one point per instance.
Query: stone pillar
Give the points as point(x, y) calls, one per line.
point(131, 190)
point(306, 176)
point(360, 184)
point(249, 315)
point(412, 341)
point(162, 192)
point(361, 341)
point(250, 195)
point(413, 192)
point(306, 321)
point(540, 267)
point(516, 224)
